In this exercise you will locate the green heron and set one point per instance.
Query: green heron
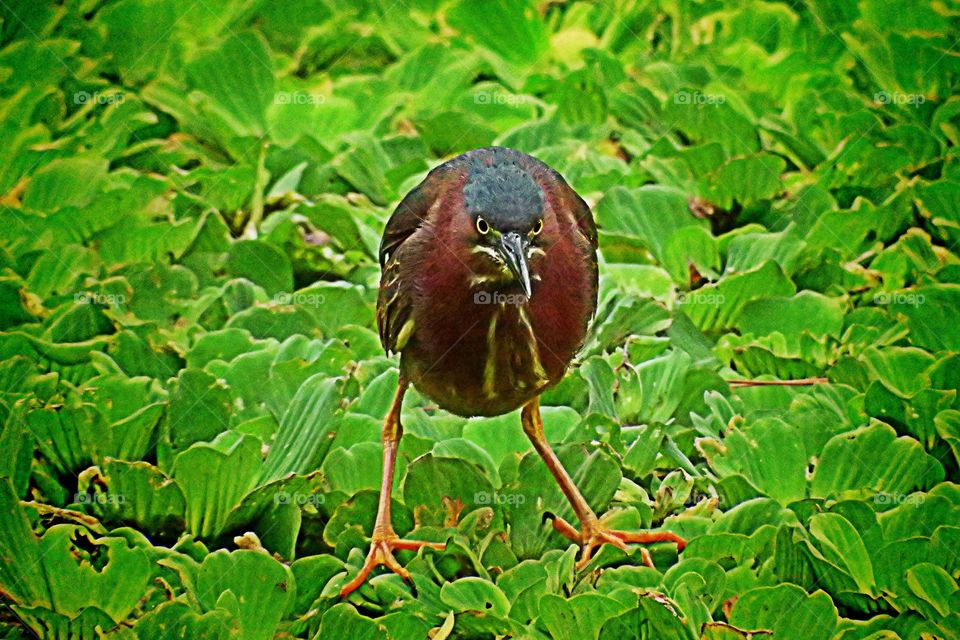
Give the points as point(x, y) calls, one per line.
point(488, 286)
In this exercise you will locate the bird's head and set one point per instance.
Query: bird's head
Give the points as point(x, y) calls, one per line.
point(504, 210)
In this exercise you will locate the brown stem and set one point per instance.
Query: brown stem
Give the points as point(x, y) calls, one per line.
point(803, 382)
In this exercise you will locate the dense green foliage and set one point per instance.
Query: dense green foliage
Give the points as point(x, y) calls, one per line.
point(191, 385)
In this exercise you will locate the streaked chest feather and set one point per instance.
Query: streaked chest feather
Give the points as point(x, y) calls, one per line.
point(512, 353)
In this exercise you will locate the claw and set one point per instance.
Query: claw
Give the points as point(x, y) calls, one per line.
point(381, 553)
point(595, 534)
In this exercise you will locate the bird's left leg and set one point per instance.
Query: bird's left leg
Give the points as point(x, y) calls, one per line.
point(385, 539)
point(592, 532)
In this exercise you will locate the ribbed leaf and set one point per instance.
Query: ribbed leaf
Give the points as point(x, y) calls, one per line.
point(717, 306)
point(842, 545)
point(138, 492)
point(21, 572)
point(71, 437)
point(306, 430)
point(214, 479)
point(264, 589)
point(83, 572)
point(873, 459)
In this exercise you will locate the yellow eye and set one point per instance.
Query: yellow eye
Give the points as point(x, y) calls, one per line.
point(482, 226)
point(537, 227)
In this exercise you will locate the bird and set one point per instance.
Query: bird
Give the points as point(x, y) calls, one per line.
point(489, 283)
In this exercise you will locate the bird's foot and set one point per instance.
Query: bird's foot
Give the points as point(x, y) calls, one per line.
point(382, 546)
point(595, 534)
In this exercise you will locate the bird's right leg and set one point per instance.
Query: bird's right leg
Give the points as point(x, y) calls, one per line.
point(593, 533)
point(385, 539)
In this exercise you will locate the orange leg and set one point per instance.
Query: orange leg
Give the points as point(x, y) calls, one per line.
point(592, 533)
point(385, 539)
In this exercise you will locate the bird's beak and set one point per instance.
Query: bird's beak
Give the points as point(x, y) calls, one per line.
point(513, 250)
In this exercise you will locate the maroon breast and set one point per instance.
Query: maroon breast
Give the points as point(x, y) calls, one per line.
point(482, 350)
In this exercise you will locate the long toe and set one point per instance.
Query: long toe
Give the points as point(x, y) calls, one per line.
point(566, 529)
point(416, 545)
point(381, 553)
point(650, 537)
point(596, 535)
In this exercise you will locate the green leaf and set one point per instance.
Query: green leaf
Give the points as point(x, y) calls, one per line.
point(843, 546)
point(239, 98)
point(58, 271)
point(355, 469)
point(786, 610)
point(745, 180)
point(579, 617)
point(18, 444)
point(138, 492)
point(902, 370)
point(769, 453)
point(176, 620)
point(930, 322)
point(719, 306)
point(261, 263)
point(806, 312)
point(646, 217)
point(653, 390)
point(131, 23)
point(934, 585)
point(214, 479)
point(621, 316)
point(747, 251)
point(476, 596)
point(306, 430)
point(200, 408)
point(67, 182)
point(336, 304)
point(948, 428)
point(85, 572)
point(344, 619)
point(710, 117)
point(517, 38)
point(70, 437)
point(653, 616)
point(433, 484)
point(595, 473)
point(642, 454)
point(21, 573)
point(263, 587)
point(85, 626)
point(872, 459)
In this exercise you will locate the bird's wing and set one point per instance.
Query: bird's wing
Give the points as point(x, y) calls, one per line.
point(583, 216)
point(570, 200)
point(393, 303)
point(580, 210)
